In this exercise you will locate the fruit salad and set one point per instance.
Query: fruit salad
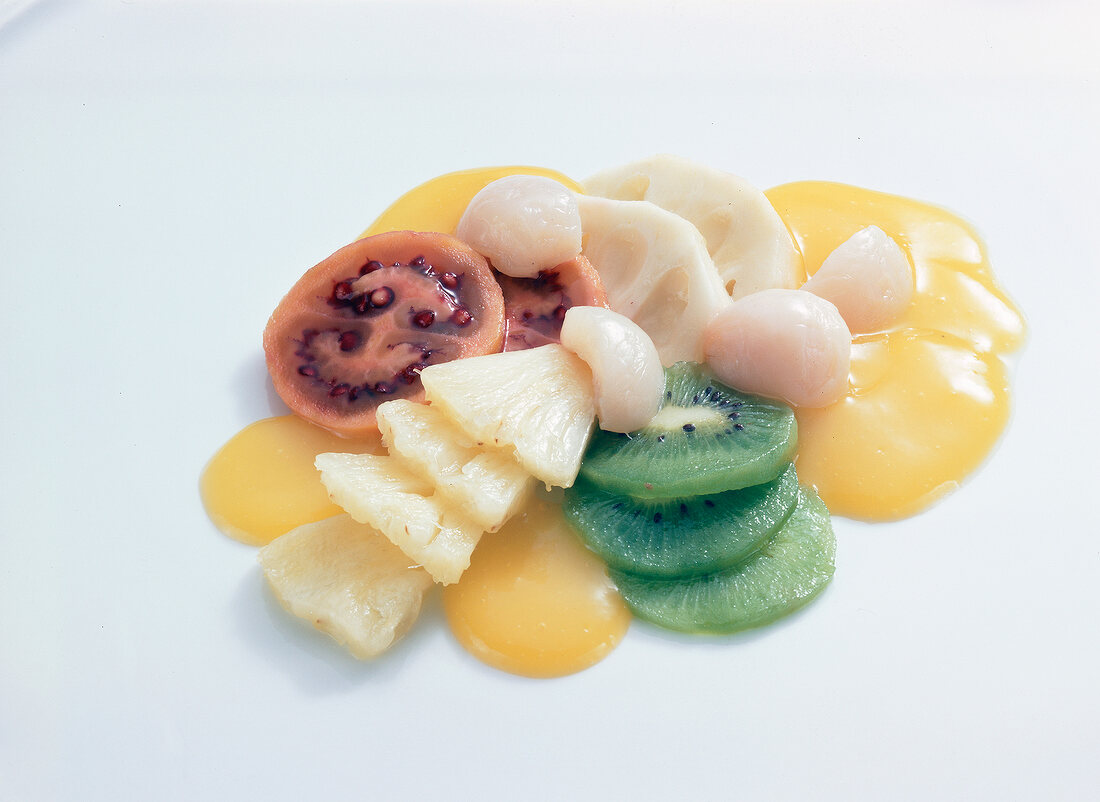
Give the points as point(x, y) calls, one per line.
point(567, 405)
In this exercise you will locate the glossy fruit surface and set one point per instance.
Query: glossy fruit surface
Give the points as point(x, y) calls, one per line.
point(438, 204)
point(706, 439)
point(534, 308)
point(794, 566)
point(357, 329)
point(523, 224)
point(680, 537)
point(627, 378)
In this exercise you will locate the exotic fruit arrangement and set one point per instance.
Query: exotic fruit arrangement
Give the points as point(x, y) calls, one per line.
point(642, 395)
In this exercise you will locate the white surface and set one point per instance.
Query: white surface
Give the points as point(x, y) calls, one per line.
point(168, 169)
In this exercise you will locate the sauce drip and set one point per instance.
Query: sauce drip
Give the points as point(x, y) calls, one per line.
point(437, 205)
point(929, 396)
point(534, 601)
point(262, 482)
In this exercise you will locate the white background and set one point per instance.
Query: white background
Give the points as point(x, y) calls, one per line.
point(168, 169)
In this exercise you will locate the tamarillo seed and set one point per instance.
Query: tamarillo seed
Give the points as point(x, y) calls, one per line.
point(411, 372)
point(349, 341)
point(381, 297)
point(424, 318)
point(342, 291)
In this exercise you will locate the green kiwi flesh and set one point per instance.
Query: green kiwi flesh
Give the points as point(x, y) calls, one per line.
point(680, 537)
point(790, 570)
point(706, 439)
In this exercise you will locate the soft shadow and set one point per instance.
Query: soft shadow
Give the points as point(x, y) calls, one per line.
point(315, 662)
point(252, 374)
point(735, 639)
point(21, 17)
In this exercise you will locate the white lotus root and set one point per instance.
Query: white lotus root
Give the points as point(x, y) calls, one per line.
point(868, 278)
point(745, 236)
point(523, 224)
point(656, 270)
point(785, 344)
point(627, 376)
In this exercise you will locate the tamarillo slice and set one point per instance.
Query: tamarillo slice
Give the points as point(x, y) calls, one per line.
point(357, 329)
point(534, 308)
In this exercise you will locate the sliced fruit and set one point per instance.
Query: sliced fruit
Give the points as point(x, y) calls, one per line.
point(792, 568)
point(379, 491)
point(485, 483)
point(785, 344)
point(627, 377)
point(656, 270)
point(746, 238)
point(536, 402)
point(706, 439)
point(535, 602)
point(534, 308)
point(262, 483)
point(357, 329)
point(438, 204)
point(680, 537)
point(523, 224)
point(868, 279)
point(347, 580)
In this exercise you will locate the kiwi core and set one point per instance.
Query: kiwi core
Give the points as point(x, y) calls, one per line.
point(676, 417)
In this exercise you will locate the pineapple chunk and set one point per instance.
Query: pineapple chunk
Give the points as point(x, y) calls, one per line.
point(379, 491)
point(485, 482)
point(538, 402)
point(348, 581)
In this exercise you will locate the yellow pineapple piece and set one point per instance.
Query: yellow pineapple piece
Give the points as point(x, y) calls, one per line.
point(380, 491)
point(348, 581)
point(487, 484)
point(537, 402)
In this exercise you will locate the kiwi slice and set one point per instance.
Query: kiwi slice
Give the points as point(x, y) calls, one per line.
point(787, 572)
point(680, 537)
point(706, 439)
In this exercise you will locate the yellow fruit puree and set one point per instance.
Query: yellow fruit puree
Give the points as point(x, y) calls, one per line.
point(437, 205)
point(929, 396)
point(928, 399)
point(262, 483)
point(534, 601)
